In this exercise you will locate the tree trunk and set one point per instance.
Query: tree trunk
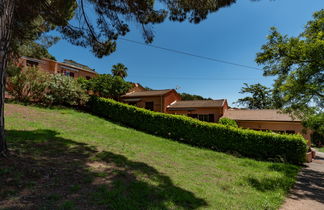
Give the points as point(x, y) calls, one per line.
point(6, 16)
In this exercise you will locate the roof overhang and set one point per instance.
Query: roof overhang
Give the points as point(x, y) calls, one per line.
point(69, 68)
point(132, 99)
point(181, 109)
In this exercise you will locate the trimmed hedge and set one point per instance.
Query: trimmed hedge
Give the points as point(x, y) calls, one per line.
point(228, 122)
point(249, 143)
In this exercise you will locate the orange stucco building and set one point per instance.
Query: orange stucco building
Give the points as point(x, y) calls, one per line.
point(169, 101)
point(155, 100)
point(68, 67)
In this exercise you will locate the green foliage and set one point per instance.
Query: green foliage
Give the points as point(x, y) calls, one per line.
point(28, 85)
point(119, 70)
point(260, 98)
point(32, 85)
point(63, 90)
point(316, 123)
point(255, 144)
point(35, 50)
point(298, 64)
point(228, 122)
point(189, 97)
point(109, 86)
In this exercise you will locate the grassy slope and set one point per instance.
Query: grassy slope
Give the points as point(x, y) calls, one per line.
point(321, 149)
point(69, 159)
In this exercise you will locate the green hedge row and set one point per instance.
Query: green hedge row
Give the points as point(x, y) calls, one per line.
point(249, 143)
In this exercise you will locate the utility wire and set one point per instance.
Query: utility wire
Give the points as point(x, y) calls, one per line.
point(193, 78)
point(190, 54)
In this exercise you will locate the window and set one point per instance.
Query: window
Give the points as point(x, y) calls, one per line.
point(69, 74)
point(31, 63)
point(290, 132)
point(203, 117)
point(193, 116)
point(149, 105)
point(87, 77)
point(132, 103)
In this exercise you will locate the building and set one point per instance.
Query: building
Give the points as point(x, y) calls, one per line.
point(68, 67)
point(169, 101)
point(204, 110)
point(267, 119)
point(154, 100)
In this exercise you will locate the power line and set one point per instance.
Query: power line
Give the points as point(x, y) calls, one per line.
point(194, 78)
point(190, 54)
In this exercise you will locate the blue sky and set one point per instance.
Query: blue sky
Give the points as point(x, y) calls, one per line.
point(233, 34)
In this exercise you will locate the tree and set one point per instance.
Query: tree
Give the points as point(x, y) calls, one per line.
point(260, 97)
point(22, 21)
point(109, 86)
point(316, 123)
point(188, 97)
point(298, 64)
point(119, 70)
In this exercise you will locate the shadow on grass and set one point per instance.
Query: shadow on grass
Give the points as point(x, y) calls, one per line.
point(46, 171)
point(285, 181)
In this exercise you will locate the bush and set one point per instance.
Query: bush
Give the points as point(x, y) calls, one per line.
point(108, 86)
point(228, 122)
point(249, 143)
point(63, 90)
point(28, 85)
point(32, 85)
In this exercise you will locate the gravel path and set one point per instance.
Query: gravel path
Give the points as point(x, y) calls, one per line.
point(308, 192)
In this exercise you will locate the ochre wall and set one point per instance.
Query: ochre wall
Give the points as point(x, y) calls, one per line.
point(218, 112)
point(53, 67)
point(170, 98)
point(276, 126)
point(156, 100)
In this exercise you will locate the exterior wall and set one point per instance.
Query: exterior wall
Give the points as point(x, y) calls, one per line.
point(170, 98)
point(53, 67)
point(217, 112)
point(157, 101)
point(276, 126)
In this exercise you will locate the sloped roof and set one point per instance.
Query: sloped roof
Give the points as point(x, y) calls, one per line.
point(197, 104)
point(258, 115)
point(146, 93)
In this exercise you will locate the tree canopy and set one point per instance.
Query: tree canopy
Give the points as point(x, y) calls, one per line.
point(96, 24)
point(298, 64)
point(188, 97)
point(119, 70)
point(260, 97)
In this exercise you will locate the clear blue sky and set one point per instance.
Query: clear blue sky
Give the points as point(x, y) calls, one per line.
point(233, 34)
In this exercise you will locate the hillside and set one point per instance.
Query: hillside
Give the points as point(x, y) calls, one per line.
point(66, 159)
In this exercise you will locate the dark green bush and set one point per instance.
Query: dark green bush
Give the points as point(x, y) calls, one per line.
point(228, 122)
point(249, 143)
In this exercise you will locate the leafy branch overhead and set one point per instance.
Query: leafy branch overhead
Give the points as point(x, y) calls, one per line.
point(298, 64)
point(98, 23)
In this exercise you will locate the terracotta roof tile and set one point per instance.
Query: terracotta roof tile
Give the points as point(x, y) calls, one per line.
point(146, 93)
point(197, 104)
point(258, 115)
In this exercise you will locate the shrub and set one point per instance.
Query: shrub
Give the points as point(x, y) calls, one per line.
point(228, 122)
point(249, 143)
point(109, 86)
point(32, 85)
point(63, 90)
point(28, 85)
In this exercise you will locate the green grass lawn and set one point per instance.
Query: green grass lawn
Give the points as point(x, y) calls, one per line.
point(320, 149)
point(64, 159)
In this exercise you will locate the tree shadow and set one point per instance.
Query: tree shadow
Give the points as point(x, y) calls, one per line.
point(46, 171)
point(284, 182)
point(309, 184)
